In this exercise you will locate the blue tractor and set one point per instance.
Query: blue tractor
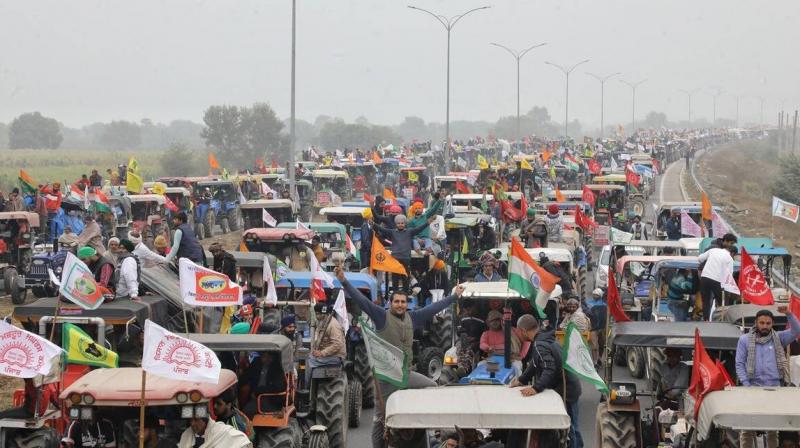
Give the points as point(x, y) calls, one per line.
point(217, 202)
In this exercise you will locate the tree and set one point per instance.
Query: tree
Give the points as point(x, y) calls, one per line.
point(787, 183)
point(122, 135)
point(3, 135)
point(536, 121)
point(32, 130)
point(240, 135)
point(337, 134)
point(412, 128)
point(655, 120)
point(179, 160)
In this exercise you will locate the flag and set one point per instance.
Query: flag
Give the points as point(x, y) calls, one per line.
point(86, 202)
point(780, 208)
point(614, 301)
point(271, 296)
point(588, 196)
point(26, 183)
point(336, 200)
point(212, 161)
point(382, 260)
point(340, 307)
point(689, 227)
point(168, 355)
point(300, 226)
point(78, 284)
point(200, 286)
point(76, 194)
point(482, 163)
point(317, 272)
point(268, 219)
point(706, 375)
point(81, 348)
point(583, 221)
point(553, 172)
point(388, 195)
point(752, 283)
point(546, 156)
point(571, 163)
point(632, 178)
point(461, 188)
point(352, 248)
point(560, 196)
point(388, 363)
point(794, 306)
point(24, 354)
point(369, 198)
point(526, 277)
point(729, 284)
point(281, 270)
point(134, 182)
point(578, 358)
point(718, 226)
point(616, 236)
point(614, 165)
point(376, 158)
point(523, 207)
point(525, 165)
point(464, 245)
point(243, 247)
point(101, 203)
point(413, 177)
point(169, 204)
point(706, 207)
point(594, 167)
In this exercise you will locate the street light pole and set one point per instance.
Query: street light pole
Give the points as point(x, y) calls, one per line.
point(689, 94)
point(292, 136)
point(517, 56)
point(714, 114)
point(448, 24)
point(566, 71)
point(633, 86)
point(602, 80)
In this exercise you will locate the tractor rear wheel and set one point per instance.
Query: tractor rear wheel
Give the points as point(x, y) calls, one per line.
point(277, 438)
point(44, 437)
point(209, 221)
point(318, 439)
point(200, 231)
point(635, 359)
point(615, 429)
point(354, 403)
point(225, 226)
point(363, 374)
point(7, 279)
point(431, 362)
point(331, 409)
point(234, 219)
point(442, 331)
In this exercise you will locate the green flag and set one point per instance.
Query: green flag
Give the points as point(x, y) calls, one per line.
point(578, 359)
point(389, 363)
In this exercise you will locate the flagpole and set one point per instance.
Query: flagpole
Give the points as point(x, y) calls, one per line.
point(141, 410)
point(55, 318)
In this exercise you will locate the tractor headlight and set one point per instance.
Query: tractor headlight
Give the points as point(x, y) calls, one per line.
point(187, 411)
point(451, 357)
point(86, 413)
point(74, 413)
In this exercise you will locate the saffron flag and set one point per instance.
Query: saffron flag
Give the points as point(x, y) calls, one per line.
point(81, 348)
point(168, 355)
point(388, 195)
point(212, 161)
point(526, 277)
point(201, 286)
point(752, 284)
point(24, 354)
point(706, 375)
point(271, 296)
point(614, 301)
point(525, 165)
point(27, 184)
point(706, 207)
point(780, 208)
point(560, 196)
point(578, 359)
point(382, 260)
point(376, 158)
point(78, 284)
point(546, 156)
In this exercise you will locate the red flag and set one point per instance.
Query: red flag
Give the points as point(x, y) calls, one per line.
point(706, 374)
point(368, 197)
point(725, 375)
point(523, 207)
point(794, 306)
point(318, 291)
point(274, 163)
point(170, 205)
point(588, 196)
point(614, 302)
point(594, 167)
point(461, 187)
point(752, 284)
point(583, 221)
point(632, 178)
point(260, 166)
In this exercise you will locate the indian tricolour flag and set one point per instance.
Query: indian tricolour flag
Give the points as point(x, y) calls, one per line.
point(571, 163)
point(528, 278)
point(100, 201)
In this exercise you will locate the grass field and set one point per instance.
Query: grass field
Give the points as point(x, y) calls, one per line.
point(58, 165)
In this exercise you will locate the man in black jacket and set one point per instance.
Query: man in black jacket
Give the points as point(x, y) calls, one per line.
point(224, 261)
point(402, 240)
point(545, 371)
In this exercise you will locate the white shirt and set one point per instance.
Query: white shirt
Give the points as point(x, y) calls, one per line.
point(147, 257)
point(718, 264)
point(128, 283)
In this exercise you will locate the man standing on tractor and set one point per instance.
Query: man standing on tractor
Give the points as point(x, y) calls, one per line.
point(328, 347)
point(147, 257)
point(127, 285)
point(224, 261)
point(91, 235)
point(402, 243)
point(397, 328)
point(185, 243)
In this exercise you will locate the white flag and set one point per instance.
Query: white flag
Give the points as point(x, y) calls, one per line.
point(168, 355)
point(266, 189)
point(336, 200)
point(78, 284)
point(340, 307)
point(578, 360)
point(242, 199)
point(24, 354)
point(619, 236)
point(389, 363)
point(317, 273)
point(301, 226)
point(272, 296)
point(267, 218)
point(718, 226)
point(689, 227)
point(729, 284)
point(204, 287)
point(785, 210)
point(86, 197)
point(614, 165)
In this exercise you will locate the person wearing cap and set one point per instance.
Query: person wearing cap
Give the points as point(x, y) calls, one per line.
point(224, 262)
point(595, 307)
point(127, 286)
point(160, 245)
point(761, 360)
point(328, 346)
point(185, 243)
point(91, 235)
point(146, 257)
point(492, 341)
point(401, 238)
point(102, 268)
point(316, 248)
point(488, 273)
point(555, 224)
point(420, 218)
point(288, 326)
point(365, 250)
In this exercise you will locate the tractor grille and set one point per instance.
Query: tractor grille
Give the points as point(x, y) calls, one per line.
point(38, 269)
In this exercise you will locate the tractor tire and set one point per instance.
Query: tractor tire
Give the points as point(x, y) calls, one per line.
point(234, 219)
point(331, 409)
point(39, 291)
point(635, 359)
point(615, 429)
point(318, 439)
point(200, 231)
point(225, 226)
point(442, 331)
point(44, 437)
point(277, 438)
point(581, 282)
point(430, 362)
point(209, 221)
point(363, 374)
point(354, 401)
point(8, 279)
point(657, 358)
point(18, 296)
point(620, 357)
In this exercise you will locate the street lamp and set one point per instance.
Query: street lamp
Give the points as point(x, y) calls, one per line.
point(517, 56)
point(292, 135)
point(567, 71)
point(737, 109)
point(689, 94)
point(714, 115)
point(448, 24)
point(633, 86)
point(602, 80)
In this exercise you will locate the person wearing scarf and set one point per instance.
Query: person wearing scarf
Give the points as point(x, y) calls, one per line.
point(761, 360)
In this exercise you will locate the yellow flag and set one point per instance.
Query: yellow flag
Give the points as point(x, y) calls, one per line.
point(413, 177)
point(382, 260)
point(159, 188)
point(134, 183)
point(133, 165)
point(482, 163)
point(81, 349)
point(525, 165)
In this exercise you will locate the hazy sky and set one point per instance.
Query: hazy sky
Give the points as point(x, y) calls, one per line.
point(82, 61)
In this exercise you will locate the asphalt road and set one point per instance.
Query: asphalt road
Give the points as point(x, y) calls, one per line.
point(667, 189)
